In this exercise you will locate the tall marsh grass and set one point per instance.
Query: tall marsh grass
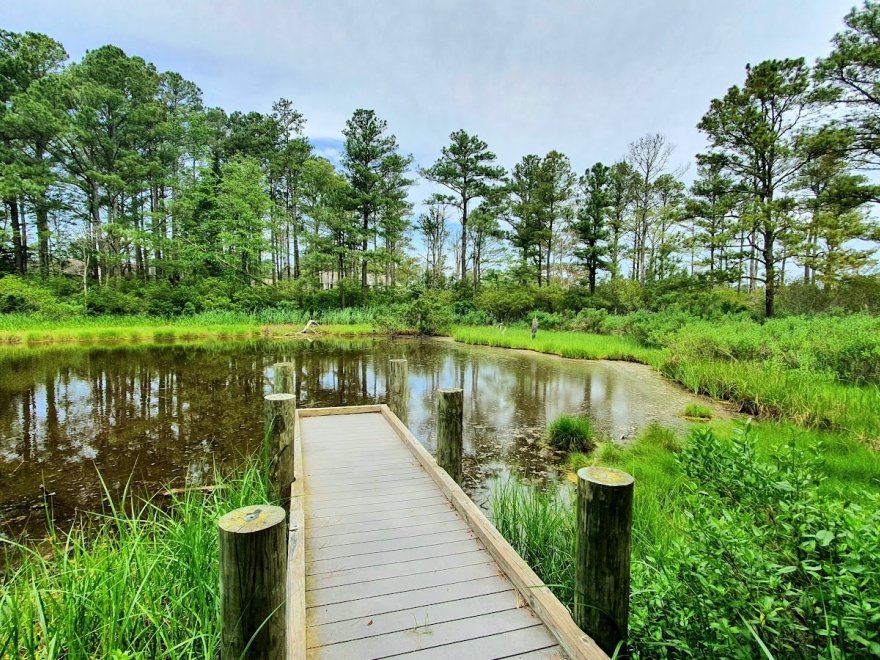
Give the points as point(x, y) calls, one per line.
point(33, 329)
point(564, 344)
point(138, 580)
point(734, 552)
point(763, 389)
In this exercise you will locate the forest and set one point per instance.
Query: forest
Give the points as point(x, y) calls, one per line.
point(161, 258)
point(123, 193)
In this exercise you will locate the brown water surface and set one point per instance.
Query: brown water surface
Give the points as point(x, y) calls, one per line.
point(167, 414)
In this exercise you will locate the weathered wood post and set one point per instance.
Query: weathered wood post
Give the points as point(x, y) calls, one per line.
point(397, 388)
point(450, 414)
point(284, 379)
point(253, 561)
point(604, 524)
point(279, 410)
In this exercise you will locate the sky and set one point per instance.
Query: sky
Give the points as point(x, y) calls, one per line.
point(585, 77)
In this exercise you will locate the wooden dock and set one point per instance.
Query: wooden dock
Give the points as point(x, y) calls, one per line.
point(388, 556)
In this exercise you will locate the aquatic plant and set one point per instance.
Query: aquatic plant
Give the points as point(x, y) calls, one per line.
point(141, 578)
point(570, 433)
point(697, 411)
point(734, 551)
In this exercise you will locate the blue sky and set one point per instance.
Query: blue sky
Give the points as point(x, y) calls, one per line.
point(585, 77)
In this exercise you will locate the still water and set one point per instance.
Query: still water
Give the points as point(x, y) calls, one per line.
point(169, 414)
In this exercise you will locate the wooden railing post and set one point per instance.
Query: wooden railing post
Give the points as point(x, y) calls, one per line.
point(397, 388)
point(280, 410)
point(450, 421)
point(253, 562)
point(283, 381)
point(604, 524)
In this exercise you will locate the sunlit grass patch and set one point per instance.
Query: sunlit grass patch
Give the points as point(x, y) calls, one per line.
point(697, 411)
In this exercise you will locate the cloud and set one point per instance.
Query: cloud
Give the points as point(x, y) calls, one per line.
point(585, 77)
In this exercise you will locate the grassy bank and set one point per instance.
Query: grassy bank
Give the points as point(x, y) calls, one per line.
point(742, 540)
point(21, 329)
point(139, 580)
point(577, 345)
point(771, 389)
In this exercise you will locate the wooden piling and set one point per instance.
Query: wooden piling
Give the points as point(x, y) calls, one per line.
point(602, 564)
point(450, 414)
point(283, 382)
point(397, 388)
point(253, 560)
point(280, 410)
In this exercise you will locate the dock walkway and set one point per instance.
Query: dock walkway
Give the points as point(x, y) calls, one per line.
point(389, 557)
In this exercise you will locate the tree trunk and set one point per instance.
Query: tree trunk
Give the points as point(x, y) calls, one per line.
point(24, 238)
point(770, 276)
point(364, 246)
point(464, 219)
point(17, 252)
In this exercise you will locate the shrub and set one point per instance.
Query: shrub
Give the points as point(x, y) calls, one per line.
point(505, 304)
point(110, 300)
point(430, 313)
point(22, 296)
point(736, 557)
point(590, 320)
point(569, 433)
point(548, 320)
point(619, 296)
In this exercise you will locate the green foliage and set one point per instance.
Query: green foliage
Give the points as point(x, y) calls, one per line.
point(569, 433)
point(505, 304)
point(732, 551)
point(538, 524)
point(142, 577)
point(565, 344)
point(429, 313)
point(21, 296)
point(697, 411)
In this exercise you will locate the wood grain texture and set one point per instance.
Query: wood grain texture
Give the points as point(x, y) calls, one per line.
point(450, 429)
point(602, 556)
point(536, 594)
point(397, 388)
point(253, 563)
point(399, 560)
point(279, 418)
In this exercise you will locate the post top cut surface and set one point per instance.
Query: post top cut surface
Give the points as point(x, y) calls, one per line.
point(280, 396)
point(250, 519)
point(284, 364)
point(605, 476)
point(449, 390)
point(398, 360)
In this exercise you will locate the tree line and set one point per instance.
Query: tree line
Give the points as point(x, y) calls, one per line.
point(115, 171)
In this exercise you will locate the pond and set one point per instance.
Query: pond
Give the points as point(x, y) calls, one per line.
point(168, 414)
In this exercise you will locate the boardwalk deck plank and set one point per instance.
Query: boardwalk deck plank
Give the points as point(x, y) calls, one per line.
point(422, 635)
point(392, 565)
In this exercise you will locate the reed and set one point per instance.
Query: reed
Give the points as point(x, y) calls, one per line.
point(138, 580)
point(570, 433)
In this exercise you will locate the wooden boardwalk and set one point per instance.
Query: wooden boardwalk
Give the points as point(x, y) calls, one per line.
point(388, 556)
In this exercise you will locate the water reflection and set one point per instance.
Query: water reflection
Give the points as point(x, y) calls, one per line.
point(161, 414)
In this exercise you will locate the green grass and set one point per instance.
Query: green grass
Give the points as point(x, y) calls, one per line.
point(564, 344)
point(22, 329)
point(728, 530)
point(806, 397)
point(139, 579)
point(569, 433)
point(697, 411)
